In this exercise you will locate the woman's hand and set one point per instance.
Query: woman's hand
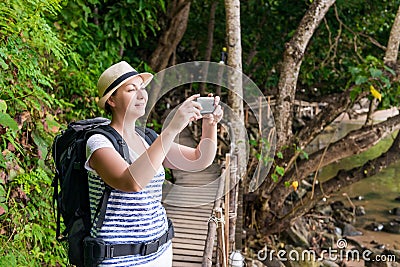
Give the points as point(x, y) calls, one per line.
point(193, 159)
point(187, 112)
point(217, 114)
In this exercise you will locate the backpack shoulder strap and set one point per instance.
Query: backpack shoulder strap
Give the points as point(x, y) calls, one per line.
point(121, 146)
point(115, 138)
point(148, 134)
point(102, 207)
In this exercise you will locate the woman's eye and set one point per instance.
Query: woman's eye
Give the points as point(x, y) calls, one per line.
point(133, 87)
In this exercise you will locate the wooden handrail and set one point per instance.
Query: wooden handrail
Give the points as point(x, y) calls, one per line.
point(212, 225)
point(225, 184)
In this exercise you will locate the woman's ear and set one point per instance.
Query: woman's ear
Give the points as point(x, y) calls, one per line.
point(110, 101)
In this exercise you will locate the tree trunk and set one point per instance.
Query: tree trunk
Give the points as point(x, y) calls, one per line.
point(292, 60)
point(285, 99)
point(392, 49)
point(177, 19)
point(269, 203)
point(178, 14)
point(235, 92)
point(210, 41)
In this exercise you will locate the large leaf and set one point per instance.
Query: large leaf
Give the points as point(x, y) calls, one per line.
point(375, 73)
point(7, 121)
point(361, 79)
point(41, 144)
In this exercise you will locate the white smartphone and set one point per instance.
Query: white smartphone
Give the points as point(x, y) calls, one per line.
point(207, 103)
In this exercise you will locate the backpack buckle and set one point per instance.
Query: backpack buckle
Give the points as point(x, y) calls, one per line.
point(110, 251)
point(122, 142)
point(150, 248)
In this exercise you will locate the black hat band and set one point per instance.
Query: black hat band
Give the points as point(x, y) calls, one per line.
point(119, 80)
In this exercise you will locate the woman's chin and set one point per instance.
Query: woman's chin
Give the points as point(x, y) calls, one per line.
point(134, 114)
point(139, 112)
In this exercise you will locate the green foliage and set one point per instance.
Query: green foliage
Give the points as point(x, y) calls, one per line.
point(195, 48)
point(257, 147)
point(29, 53)
point(100, 33)
point(342, 42)
point(5, 118)
point(50, 59)
point(26, 80)
point(53, 51)
point(30, 223)
point(373, 73)
point(270, 25)
point(300, 151)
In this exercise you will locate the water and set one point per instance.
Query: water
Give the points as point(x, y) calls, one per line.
point(379, 191)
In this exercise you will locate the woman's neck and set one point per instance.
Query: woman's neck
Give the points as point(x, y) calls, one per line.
point(126, 127)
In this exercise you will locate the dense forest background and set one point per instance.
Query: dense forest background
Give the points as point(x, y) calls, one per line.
point(52, 53)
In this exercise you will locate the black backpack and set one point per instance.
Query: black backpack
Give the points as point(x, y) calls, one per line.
point(70, 184)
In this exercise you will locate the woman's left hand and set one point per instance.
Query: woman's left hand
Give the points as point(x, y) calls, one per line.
point(217, 114)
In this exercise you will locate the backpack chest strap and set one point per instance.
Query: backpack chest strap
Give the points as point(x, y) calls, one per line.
point(99, 250)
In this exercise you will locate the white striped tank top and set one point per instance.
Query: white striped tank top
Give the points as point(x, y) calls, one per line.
point(134, 217)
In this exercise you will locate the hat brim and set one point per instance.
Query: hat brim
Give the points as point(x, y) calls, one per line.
point(147, 77)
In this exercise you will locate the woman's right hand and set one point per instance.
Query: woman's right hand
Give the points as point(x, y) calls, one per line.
point(187, 112)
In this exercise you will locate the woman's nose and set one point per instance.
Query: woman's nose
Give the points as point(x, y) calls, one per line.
point(141, 93)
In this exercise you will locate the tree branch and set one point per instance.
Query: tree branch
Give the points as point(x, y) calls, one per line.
point(342, 179)
point(338, 104)
point(292, 59)
point(354, 143)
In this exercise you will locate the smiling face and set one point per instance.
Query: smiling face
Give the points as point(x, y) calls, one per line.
point(130, 99)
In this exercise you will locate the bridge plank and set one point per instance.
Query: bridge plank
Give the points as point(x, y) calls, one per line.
point(190, 207)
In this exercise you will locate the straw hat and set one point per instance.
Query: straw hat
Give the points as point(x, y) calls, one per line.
point(113, 77)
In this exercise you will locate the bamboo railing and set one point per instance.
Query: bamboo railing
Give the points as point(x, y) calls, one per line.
point(222, 223)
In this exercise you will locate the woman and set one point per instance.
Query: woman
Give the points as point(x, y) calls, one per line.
point(134, 213)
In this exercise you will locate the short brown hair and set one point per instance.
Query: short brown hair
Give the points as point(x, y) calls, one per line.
point(107, 106)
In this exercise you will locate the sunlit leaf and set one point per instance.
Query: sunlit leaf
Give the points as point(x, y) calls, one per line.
point(280, 170)
point(389, 70)
point(375, 93)
point(295, 184)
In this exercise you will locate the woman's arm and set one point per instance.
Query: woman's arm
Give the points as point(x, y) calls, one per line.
point(112, 168)
point(193, 159)
point(117, 173)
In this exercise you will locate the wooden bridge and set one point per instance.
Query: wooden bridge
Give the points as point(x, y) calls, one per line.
point(301, 108)
point(191, 204)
